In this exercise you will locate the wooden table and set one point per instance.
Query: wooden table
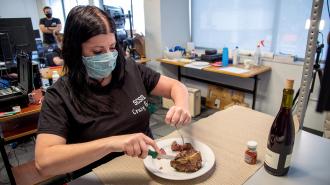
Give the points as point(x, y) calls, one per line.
point(252, 73)
point(16, 127)
point(143, 60)
point(23, 123)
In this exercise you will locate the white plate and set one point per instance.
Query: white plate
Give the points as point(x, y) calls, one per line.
point(162, 167)
point(200, 63)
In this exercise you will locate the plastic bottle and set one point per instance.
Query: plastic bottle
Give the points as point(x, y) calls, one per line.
point(251, 152)
point(55, 76)
point(257, 56)
point(225, 57)
point(235, 56)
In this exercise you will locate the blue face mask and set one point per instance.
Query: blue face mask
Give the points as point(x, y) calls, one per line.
point(100, 66)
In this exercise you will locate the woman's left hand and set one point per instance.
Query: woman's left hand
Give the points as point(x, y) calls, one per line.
point(177, 116)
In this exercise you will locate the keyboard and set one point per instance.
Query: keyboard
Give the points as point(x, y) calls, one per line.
point(13, 90)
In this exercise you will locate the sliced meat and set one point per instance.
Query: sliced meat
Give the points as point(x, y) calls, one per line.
point(177, 147)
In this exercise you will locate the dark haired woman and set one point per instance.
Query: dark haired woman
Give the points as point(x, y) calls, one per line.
point(99, 108)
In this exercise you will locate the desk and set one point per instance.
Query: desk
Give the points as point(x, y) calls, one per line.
point(18, 126)
point(14, 126)
point(143, 60)
point(252, 73)
point(226, 134)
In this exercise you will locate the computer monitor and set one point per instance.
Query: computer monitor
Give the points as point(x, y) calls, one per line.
point(17, 35)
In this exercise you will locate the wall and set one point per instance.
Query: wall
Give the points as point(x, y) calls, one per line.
point(20, 8)
point(153, 38)
point(166, 25)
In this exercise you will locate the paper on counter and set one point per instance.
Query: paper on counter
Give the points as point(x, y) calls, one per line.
point(195, 66)
point(234, 70)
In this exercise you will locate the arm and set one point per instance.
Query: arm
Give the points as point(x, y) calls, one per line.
point(44, 29)
point(58, 27)
point(53, 156)
point(170, 88)
point(58, 61)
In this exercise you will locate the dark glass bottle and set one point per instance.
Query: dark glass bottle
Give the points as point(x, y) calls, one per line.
point(281, 136)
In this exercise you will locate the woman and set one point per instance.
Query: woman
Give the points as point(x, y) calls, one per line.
point(99, 107)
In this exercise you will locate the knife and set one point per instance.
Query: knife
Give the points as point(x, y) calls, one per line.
point(155, 155)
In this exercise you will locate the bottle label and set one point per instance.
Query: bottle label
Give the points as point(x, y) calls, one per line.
point(287, 161)
point(272, 158)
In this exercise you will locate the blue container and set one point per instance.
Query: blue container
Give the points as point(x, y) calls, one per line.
point(225, 57)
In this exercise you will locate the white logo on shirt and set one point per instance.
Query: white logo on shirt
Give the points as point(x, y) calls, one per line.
point(141, 108)
point(139, 99)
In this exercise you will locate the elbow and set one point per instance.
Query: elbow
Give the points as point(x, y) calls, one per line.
point(39, 167)
point(183, 87)
point(42, 168)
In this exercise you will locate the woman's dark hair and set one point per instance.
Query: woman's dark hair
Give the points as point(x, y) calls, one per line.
point(84, 22)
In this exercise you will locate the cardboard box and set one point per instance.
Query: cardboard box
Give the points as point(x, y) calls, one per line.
point(220, 97)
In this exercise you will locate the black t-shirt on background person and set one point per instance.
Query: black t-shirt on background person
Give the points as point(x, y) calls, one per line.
point(57, 52)
point(60, 117)
point(53, 22)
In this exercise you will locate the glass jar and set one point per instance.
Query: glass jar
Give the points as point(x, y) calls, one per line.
point(251, 152)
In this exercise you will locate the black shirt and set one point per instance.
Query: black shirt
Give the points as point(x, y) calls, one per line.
point(58, 115)
point(53, 22)
point(57, 52)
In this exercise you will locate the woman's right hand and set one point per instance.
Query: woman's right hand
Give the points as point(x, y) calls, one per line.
point(134, 145)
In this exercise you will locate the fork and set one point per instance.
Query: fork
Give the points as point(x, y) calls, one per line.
point(179, 134)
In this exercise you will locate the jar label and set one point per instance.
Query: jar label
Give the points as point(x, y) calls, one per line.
point(272, 158)
point(287, 161)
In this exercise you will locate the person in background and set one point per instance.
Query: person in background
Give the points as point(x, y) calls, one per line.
point(99, 109)
point(56, 58)
point(48, 25)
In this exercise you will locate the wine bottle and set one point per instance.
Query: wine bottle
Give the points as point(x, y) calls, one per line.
point(281, 136)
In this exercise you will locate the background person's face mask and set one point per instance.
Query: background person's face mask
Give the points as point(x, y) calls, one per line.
point(48, 15)
point(100, 66)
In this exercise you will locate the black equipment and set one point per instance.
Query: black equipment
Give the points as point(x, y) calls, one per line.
point(18, 95)
point(16, 35)
point(117, 13)
point(211, 55)
point(316, 70)
point(5, 48)
point(17, 44)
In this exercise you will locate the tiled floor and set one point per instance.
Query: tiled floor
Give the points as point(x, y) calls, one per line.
point(25, 151)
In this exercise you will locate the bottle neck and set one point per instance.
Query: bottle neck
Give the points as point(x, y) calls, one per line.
point(287, 98)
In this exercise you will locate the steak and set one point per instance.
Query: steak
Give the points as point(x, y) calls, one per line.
point(177, 147)
point(188, 160)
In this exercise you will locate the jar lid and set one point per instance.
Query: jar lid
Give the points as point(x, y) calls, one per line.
point(252, 145)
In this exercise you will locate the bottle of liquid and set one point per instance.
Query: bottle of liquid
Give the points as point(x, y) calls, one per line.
point(257, 54)
point(55, 76)
point(225, 57)
point(281, 136)
point(235, 56)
